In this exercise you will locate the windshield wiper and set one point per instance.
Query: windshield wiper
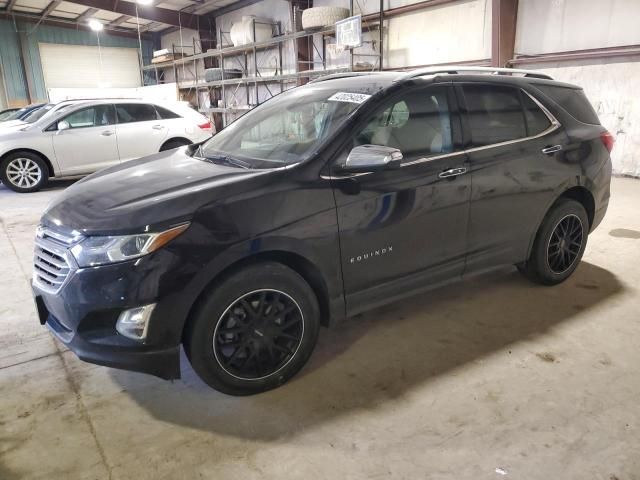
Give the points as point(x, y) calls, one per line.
point(234, 162)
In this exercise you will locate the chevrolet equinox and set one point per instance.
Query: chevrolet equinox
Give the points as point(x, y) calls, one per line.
point(329, 199)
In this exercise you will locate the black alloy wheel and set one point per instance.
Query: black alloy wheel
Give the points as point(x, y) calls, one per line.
point(254, 329)
point(565, 244)
point(559, 243)
point(258, 334)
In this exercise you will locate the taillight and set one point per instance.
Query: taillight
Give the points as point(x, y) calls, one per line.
point(607, 140)
point(205, 126)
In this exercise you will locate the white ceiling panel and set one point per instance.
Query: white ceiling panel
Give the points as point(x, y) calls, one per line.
point(72, 7)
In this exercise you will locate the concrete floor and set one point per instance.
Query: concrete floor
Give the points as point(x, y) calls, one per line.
point(491, 378)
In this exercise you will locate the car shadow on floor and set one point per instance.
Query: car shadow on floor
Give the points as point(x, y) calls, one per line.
point(383, 355)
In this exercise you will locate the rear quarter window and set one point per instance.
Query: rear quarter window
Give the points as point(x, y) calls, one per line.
point(165, 113)
point(574, 101)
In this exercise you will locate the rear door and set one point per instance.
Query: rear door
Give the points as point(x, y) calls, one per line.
point(140, 131)
point(89, 144)
point(513, 178)
point(401, 230)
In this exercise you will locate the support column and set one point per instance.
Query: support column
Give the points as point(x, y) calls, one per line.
point(503, 31)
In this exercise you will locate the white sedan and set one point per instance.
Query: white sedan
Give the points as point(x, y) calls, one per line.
point(85, 136)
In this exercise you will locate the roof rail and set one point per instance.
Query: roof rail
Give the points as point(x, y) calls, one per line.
point(333, 76)
point(457, 69)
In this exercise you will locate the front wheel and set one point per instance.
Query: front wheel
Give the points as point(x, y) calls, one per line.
point(559, 244)
point(24, 172)
point(254, 331)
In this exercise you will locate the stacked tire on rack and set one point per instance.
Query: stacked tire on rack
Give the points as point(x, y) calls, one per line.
point(318, 17)
point(215, 74)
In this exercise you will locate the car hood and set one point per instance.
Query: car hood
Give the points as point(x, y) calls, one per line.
point(12, 125)
point(155, 191)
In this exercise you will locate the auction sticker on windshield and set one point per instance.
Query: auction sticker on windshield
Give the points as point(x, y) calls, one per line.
point(349, 97)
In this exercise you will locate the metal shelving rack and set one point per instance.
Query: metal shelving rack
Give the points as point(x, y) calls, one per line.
point(246, 56)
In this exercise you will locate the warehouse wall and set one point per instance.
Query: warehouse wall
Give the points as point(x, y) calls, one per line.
point(453, 32)
point(548, 26)
point(15, 81)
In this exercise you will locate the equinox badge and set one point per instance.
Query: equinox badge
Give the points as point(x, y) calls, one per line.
point(374, 253)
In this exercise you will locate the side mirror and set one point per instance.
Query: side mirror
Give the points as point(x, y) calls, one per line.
point(371, 158)
point(63, 125)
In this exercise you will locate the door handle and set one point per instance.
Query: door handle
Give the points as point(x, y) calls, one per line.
point(157, 127)
point(107, 133)
point(453, 172)
point(550, 150)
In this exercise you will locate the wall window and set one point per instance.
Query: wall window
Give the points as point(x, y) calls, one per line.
point(495, 114)
point(135, 112)
point(418, 123)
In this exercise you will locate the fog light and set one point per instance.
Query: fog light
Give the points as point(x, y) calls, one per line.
point(133, 323)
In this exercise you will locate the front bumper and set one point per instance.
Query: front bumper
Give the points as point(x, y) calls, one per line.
point(84, 312)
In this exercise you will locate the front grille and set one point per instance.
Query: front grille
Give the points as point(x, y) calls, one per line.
point(52, 265)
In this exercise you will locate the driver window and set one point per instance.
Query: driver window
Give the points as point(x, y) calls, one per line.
point(418, 123)
point(91, 117)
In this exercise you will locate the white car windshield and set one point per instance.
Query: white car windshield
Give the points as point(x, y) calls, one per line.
point(285, 130)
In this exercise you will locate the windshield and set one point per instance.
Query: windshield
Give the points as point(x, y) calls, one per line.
point(286, 129)
point(36, 114)
point(6, 114)
point(17, 114)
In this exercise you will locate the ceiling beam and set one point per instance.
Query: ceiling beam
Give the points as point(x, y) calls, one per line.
point(155, 14)
point(10, 5)
point(88, 13)
point(67, 23)
point(232, 7)
point(50, 8)
point(119, 21)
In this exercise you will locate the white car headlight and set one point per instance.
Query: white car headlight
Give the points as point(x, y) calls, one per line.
point(102, 250)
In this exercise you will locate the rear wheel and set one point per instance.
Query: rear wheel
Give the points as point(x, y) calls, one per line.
point(254, 331)
point(24, 172)
point(559, 244)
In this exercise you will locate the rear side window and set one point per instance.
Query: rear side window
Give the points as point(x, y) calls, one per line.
point(574, 101)
point(537, 120)
point(165, 113)
point(135, 112)
point(495, 114)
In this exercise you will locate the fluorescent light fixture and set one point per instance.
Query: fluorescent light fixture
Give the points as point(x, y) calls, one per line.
point(144, 2)
point(95, 25)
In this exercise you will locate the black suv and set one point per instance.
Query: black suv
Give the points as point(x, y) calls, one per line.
point(329, 199)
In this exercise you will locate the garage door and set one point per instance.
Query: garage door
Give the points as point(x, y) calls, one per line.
point(78, 66)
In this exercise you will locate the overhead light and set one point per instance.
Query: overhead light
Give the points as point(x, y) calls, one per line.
point(144, 2)
point(95, 25)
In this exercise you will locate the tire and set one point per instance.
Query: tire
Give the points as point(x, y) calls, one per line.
point(174, 143)
point(215, 74)
point(322, 16)
point(24, 172)
point(559, 244)
point(239, 351)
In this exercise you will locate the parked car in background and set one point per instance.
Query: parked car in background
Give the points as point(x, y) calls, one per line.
point(83, 136)
point(21, 113)
point(330, 199)
point(5, 114)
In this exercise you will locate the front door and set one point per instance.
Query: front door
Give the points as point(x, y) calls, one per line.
point(89, 144)
point(405, 229)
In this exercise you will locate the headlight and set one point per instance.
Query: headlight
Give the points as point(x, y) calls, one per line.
point(101, 250)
